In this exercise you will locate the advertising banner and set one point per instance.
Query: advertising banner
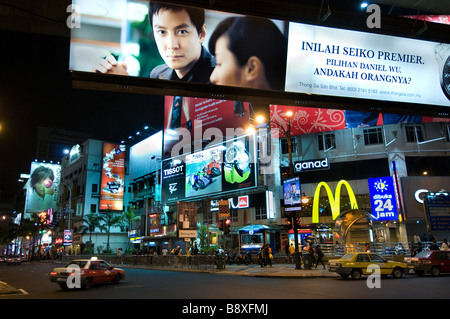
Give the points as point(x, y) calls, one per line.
point(42, 187)
point(225, 167)
point(129, 38)
point(383, 199)
point(437, 208)
point(113, 177)
point(173, 179)
point(145, 156)
point(200, 119)
point(292, 192)
point(338, 62)
point(187, 219)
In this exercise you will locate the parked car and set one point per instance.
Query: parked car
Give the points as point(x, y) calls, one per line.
point(356, 265)
point(13, 260)
point(434, 262)
point(91, 271)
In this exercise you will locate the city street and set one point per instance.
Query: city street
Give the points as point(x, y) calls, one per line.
point(32, 280)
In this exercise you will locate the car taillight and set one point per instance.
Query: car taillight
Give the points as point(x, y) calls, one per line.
point(53, 273)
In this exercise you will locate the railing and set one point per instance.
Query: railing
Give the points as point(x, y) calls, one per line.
point(197, 262)
point(383, 249)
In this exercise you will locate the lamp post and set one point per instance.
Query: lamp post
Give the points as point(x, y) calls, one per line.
point(287, 134)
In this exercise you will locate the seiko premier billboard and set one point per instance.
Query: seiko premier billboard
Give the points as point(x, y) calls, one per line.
point(126, 38)
point(347, 63)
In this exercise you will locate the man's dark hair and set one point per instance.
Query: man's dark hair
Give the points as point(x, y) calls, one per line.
point(251, 36)
point(197, 15)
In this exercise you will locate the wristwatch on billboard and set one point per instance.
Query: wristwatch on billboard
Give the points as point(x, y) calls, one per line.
point(442, 52)
point(237, 163)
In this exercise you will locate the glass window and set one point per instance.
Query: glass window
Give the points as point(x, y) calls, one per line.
point(413, 133)
point(363, 258)
point(377, 259)
point(373, 136)
point(326, 141)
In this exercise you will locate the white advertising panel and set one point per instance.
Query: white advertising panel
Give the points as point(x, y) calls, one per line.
point(346, 63)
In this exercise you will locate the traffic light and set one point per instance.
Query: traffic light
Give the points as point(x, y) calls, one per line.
point(221, 224)
point(226, 227)
point(288, 221)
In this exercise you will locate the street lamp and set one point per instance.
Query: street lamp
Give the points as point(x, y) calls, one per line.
point(287, 134)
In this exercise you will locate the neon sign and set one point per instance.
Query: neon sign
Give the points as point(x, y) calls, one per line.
point(335, 201)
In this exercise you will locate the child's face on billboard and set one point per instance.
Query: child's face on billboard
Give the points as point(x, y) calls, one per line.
point(178, 40)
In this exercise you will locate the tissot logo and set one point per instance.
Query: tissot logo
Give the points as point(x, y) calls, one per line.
point(173, 170)
point(311, 165)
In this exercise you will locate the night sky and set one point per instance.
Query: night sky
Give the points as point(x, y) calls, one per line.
point(36, 90)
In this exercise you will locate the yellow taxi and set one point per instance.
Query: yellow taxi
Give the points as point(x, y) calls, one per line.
point(358, 264)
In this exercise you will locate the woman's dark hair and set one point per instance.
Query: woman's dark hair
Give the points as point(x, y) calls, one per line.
point(251, 36)
point(197, 15)
point(40, 174)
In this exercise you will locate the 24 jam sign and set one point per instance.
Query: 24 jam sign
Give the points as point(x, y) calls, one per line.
point(382, 198)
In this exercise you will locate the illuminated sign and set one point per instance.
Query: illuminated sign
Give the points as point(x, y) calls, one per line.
point(67, 237)
point(437, 208)
point(309, 59)
point(335, 201)
point(382, 198)
point(292, 194)
point(113, 177)
point(311, 165)
point(222, 168)
point(42, 187)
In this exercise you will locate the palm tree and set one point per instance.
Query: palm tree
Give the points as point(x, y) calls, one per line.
point(129, 217)
point(90, 223)
point(108, 220)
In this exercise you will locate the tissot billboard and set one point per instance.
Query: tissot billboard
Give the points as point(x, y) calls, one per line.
point(121, 39)
point(228, 166)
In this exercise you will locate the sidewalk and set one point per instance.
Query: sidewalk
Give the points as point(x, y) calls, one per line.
point(277, 270)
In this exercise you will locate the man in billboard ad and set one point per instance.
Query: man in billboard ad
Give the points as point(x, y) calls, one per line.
point(179, 33)
point(113, 177)
point(42, 187)
point(153, 32)
point(292, 192)
point(173, 180)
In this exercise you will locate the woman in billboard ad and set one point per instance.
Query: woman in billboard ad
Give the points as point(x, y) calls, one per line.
point(250, 52)
point(42, 187)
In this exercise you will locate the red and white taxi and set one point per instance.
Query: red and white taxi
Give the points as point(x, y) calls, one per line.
point(83, 273)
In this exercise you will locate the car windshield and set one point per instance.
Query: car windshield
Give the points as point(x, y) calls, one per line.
point(79, 263)
point(347, 256)
point(424, 254)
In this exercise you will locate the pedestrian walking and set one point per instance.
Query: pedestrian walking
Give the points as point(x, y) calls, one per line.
point(286, 251)
point(320, 256)
point(291, 253)
point(444, 245)
point(268, 255)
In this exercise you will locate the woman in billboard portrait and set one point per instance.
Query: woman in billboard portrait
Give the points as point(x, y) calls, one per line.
point(250, 52)
point(41, 183)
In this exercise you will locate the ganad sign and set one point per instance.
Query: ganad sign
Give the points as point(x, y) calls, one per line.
point(310, 165)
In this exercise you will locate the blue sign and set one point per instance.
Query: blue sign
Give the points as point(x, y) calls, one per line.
point(383, 199)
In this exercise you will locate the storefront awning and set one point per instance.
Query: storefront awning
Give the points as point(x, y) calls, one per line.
point(255, 227)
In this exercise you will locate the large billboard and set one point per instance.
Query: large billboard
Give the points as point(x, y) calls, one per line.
point(224, 167)
point(42, 187)
point(125, 38)
point(200, 120)
point(145, 156)
point(113, 177)
point(337, 62)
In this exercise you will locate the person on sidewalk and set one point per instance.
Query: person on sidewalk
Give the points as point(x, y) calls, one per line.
point(320, 256)
point(291, 253)
point(268, 255)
